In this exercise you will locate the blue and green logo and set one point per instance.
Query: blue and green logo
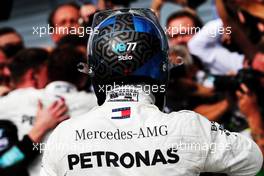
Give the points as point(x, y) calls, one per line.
point(121, 47)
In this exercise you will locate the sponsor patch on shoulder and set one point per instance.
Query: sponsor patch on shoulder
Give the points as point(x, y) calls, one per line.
point(121, 113)
point(123, 96)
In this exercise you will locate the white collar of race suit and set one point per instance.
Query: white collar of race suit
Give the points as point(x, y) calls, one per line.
point(60, 87)
point(130, 93)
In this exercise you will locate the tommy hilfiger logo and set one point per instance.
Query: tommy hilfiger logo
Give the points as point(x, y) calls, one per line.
point(121, 113)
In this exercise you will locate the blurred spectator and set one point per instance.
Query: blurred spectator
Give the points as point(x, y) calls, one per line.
point(246, 20)
point(63, 66)
point(4, 74)
point(25, 68)
point(15, 155)
point(207, 45)
point(185, 90)
point(80, 43)
point(156, 5)
point(182, 26)
point(65, 80)
point(245, 107)
point(63, 17)
point(29, 69)
point(10, 44)
point(189, 86)
point(10, 41)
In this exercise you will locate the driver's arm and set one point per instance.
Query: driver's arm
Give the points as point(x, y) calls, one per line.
point(233, 154)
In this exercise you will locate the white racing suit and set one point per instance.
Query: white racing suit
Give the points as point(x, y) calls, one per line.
point(20, 107)
point(128, 135)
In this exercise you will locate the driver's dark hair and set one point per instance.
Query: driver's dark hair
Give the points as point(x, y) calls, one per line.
point(72, 40)
point(62, 65)
point(30, 58)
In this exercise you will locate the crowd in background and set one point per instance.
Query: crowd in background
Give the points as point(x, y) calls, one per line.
point(216, 69)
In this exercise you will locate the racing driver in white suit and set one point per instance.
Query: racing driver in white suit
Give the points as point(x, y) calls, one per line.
point(128, 134)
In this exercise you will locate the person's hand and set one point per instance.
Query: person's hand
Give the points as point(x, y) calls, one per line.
point(4, 90)
point(247, 101)
point(53, 115)
point(156, 6)
point(48, 118)
point(101, 5)
point(204, 91)
point(86, 11)
point(258, 62)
